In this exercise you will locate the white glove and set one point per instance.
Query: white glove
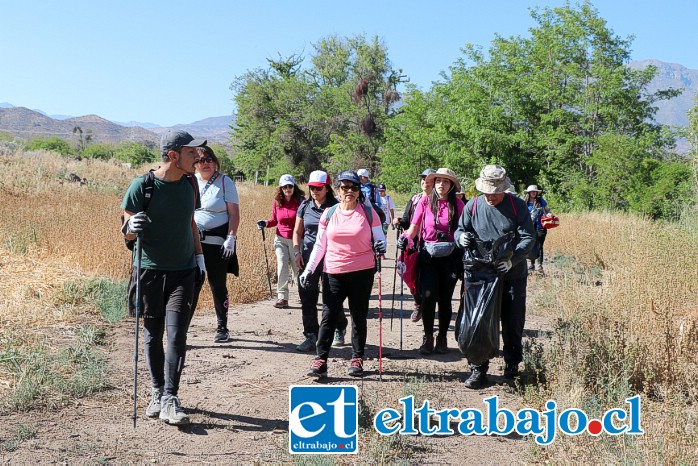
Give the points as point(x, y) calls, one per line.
point(303, 279)
point(503, 266)
point(464, 240)
point(202, 267)
point(228, 248)
point(136, 223)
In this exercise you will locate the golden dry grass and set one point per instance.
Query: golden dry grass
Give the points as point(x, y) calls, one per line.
point(626, 291)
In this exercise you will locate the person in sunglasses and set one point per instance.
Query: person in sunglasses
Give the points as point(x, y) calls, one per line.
point(287, 200)
point(218, 220)
point(349, 238)
point(304, 237)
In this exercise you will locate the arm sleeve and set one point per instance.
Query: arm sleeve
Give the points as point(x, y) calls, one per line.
point(376, 227)
point(465, 222)
point(320, 247)
point(527, 234)
point(272, 222)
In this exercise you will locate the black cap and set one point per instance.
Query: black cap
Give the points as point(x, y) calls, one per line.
point(349, 175)
point(427, 172)
point(381, 186)
point(175, 140)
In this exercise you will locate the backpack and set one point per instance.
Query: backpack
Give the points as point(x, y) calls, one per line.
point(148, 189)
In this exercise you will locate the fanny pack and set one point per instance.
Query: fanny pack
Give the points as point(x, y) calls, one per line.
point(221, 231)
point(440, 249)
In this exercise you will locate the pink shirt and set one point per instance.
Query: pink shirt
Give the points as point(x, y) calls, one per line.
point(423, 212)
point(284, 218)
point(349, 247)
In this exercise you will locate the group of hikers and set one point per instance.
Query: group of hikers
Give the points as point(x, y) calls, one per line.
point(185, 221)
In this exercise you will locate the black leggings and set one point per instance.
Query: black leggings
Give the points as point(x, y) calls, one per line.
point(309, 295)
point(356, 286)
point(166, 368)
point(216, 272)
point(437, 280)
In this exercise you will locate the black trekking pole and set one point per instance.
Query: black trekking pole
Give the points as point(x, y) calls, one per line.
point(402, 295)
point(266, 259)
point(392, 304)
point(380, 321)
point(139, 256)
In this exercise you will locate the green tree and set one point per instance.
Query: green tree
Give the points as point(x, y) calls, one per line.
point(54, 144)
point(135, 153)
point(331, 115)
point(99, 151)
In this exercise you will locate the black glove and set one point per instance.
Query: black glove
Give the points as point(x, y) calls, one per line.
point(261, 224)
point(379, 247)
point(402, 243)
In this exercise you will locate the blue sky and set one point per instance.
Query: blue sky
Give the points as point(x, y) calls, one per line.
point(173, 61)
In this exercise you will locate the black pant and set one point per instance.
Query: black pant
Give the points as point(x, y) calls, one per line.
point(540, 237)
point(437, 280)
point(513, 316)
point(167, 299)
point(216, 272)
point(356, 286)
point(309, 297)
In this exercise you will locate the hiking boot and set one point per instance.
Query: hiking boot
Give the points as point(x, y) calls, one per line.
point(441, 345)
point(222, 335)
point(309, 343)
point(281, 304)
point(339, 337)
point(427, 345)
point(153, 409)
point(511, 371)
point(318, 368)
point(172, 413)
point(416, 315)
point(356, 367)
point(477, 379)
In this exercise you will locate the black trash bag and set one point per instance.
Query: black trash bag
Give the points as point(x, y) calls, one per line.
point(477, 323)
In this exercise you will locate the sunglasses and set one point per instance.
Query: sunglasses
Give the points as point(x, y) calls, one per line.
point(316, 188)
point(349, 188)
point(288, 186)
point(205, 160)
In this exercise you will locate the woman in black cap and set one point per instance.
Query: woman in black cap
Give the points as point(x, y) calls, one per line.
point(349, 237)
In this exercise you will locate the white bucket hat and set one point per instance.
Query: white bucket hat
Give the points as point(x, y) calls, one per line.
point(363, 172)
point(493, 180)
point(532, 188)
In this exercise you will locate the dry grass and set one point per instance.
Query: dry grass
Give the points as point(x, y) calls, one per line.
point(625, 291)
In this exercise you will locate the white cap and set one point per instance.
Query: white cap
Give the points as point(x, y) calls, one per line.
point(363, 172)
point(286, 180)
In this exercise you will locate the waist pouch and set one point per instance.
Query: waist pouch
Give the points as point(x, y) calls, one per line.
point(220, 231)
point(440, 249)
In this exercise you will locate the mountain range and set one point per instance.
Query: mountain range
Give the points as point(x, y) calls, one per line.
point(26, 124)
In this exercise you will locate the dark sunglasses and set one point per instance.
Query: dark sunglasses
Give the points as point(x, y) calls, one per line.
point(316, 188)
point(288, 186)
point(349, 188)
point(205, 160)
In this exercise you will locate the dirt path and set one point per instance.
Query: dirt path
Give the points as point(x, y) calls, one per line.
point(237, 396)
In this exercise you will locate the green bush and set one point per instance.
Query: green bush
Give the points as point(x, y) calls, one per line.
point(53, 144)
point(135, 153)
point(99, 151)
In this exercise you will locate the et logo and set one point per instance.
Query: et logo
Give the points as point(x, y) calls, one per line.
point(323, 419)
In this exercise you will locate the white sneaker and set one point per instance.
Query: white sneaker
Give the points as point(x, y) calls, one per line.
point(171, 412)
point(154, 406)
point(339, 337)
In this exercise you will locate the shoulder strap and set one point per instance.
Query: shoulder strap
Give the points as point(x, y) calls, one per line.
point(472, 212)
point(303, 208)
point(511, 199)
point(148, 188)
point(195, 185)
point(330, 211)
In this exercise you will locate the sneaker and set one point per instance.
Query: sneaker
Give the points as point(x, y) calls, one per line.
point(309, 344)
point(539, 268)
point(477, 379)
point(339, 337)
point(441, 345)
point(281, 304)
point(427, 345)
point(222, 336)
point(318, 368)
point(531, 268)
point(153, 409)
point(172, 413)
point(511, 371)
point(416, 315)
point(356, 367)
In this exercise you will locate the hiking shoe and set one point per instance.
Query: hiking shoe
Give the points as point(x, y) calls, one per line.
point(531, 268)
point(539, 268)
point(308, 344)
point(153, 409)
point(222, 336)
point(477, 379)
point(356, 367)
point(511, 371)
point(416, 315)
point(339, 337)
point(172, 413)
point(441, 345)
point(427, 345)
point(281, 304)
point(318, 368)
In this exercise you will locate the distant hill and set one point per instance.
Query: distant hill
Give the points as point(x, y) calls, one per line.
point(26, 124)
point(215, 129)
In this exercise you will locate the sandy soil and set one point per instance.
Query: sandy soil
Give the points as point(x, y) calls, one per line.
point(237, 395)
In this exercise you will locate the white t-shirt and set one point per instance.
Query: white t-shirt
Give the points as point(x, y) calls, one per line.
point(388, 204)
point(214, 211)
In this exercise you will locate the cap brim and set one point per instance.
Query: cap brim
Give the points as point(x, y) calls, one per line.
point(317, 184)
point(196, 143)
